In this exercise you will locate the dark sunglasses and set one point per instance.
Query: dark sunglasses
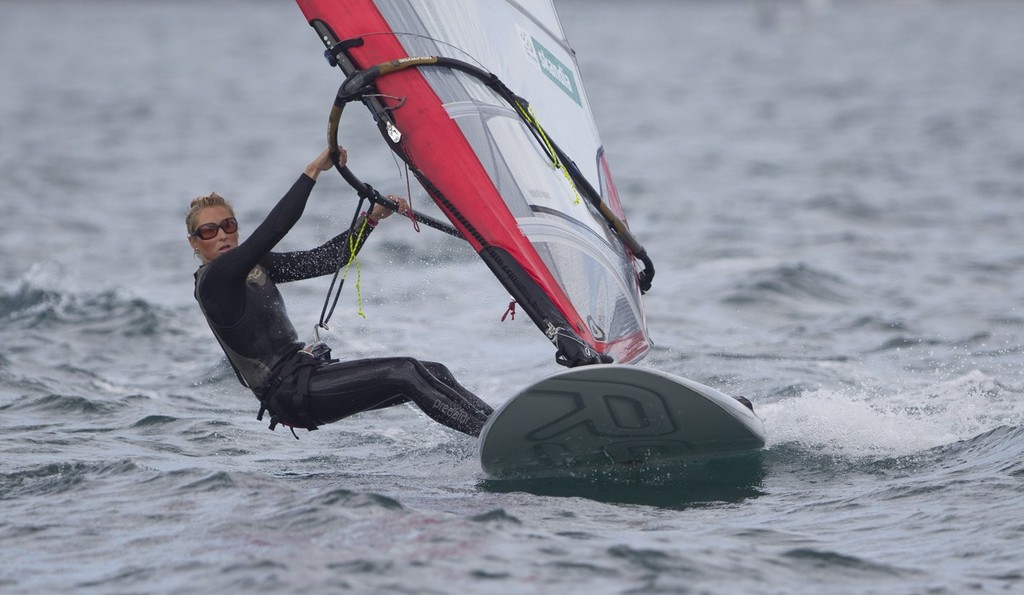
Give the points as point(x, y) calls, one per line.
point(209, 230)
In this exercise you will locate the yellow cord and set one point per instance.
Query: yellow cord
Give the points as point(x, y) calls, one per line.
point(352, 249)
point(531, 118)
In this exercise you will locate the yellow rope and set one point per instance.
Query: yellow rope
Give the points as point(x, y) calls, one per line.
point(353, 244)
point(531, 118)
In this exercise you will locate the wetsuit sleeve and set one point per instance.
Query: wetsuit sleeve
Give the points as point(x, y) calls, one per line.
point(223, 288)
point(322, 260)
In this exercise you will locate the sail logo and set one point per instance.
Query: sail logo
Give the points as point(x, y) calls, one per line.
point(551, 66)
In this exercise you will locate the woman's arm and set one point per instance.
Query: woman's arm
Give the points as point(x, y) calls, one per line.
point(223, 287)
point(328, 257)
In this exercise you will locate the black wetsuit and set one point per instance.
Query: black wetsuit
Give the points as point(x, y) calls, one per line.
point(238, 294)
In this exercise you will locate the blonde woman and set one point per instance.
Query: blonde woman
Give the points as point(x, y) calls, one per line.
point(300, 386)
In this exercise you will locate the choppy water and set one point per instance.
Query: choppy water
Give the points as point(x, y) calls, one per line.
point(833, 194)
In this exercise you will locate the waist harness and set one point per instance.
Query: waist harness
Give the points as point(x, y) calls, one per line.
point(300, 368)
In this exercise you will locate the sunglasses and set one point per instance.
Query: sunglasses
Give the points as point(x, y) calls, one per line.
point(209, 230)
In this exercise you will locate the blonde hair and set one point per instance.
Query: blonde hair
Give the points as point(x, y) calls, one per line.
point(203, 202)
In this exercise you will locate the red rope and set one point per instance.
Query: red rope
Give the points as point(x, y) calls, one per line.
point(511, 311)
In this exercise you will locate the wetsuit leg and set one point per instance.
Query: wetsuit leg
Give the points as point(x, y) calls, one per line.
point(442, 373)
point(341, 389)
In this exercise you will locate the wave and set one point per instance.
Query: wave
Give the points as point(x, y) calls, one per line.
point(905, 341)
point(874, 422)
point(155, 421)
point(787, 282)
point(60, 342)
point(64, 404)
point(1000, 449)
point(814, 564)
point(56, 478)
point(111, 312)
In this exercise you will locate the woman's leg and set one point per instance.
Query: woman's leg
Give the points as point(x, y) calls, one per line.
point(341, 389)
point(442, 373)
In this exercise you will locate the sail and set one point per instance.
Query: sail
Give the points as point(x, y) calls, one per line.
point(522, 176)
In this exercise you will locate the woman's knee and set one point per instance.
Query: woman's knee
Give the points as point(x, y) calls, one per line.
point(399, 360)
point(437, 369)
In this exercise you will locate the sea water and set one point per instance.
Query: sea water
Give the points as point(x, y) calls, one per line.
point(833, 196)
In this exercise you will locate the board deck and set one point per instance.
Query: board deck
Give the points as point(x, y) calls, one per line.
point(613, 417)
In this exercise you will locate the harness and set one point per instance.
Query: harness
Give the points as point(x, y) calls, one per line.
point(300, 367)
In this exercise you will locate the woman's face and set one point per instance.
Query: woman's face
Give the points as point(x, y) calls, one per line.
point(220, 243)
